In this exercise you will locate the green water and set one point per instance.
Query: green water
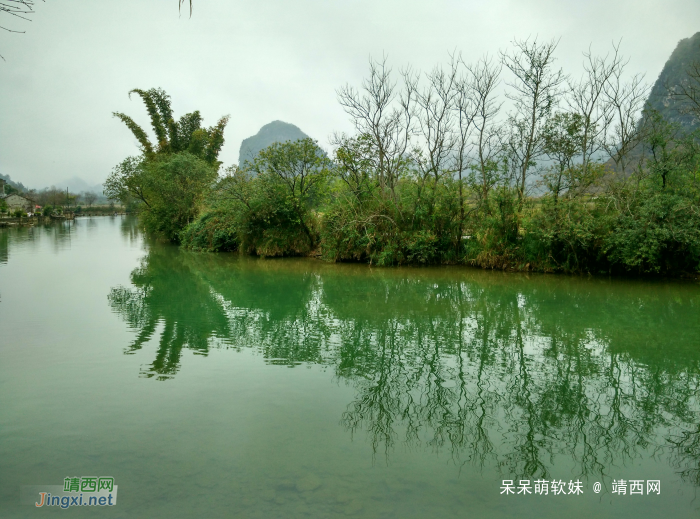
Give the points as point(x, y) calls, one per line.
point(220, 386)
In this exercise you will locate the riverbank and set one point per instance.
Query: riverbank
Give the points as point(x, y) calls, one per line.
point(39, 219)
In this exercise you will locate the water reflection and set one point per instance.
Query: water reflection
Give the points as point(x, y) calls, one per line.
point(57, 235)
point(498, 370)
point(128, 226)
point(4, 247)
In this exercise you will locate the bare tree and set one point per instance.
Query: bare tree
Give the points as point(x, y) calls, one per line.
point(435, 121)
point(626, 100)
point(385, 116)
point(485, 78)
point(586, 97)
point(536, 88)
point(89, 198)
point(465, 108)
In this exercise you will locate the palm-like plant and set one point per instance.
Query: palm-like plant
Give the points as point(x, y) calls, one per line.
point(187, 134)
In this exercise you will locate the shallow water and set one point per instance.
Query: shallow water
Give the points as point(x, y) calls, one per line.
point(221, 386)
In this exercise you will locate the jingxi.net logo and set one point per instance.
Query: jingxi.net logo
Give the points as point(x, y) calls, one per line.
point(76, 491)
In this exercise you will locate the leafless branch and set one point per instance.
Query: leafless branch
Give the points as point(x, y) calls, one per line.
point(626, 100)
point(179, 7)
point(19, 9)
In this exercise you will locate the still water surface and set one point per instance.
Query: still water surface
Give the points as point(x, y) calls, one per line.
point(221, 386)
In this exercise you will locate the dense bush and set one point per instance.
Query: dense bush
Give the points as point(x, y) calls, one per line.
point(659, 233)
point(268, 209)
point(408, 225)
point(215, 231)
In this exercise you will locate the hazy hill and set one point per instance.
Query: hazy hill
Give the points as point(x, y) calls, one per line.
point(17, 185)
point(78, 185)
point(674, 72)
point(276, 131)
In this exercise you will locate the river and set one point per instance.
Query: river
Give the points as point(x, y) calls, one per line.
point(224, 386)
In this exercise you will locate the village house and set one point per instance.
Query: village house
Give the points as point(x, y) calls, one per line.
point(16, 201)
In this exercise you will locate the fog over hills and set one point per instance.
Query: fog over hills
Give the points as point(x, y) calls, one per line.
point(78, 185)
point(74, 185)
point(16, 185)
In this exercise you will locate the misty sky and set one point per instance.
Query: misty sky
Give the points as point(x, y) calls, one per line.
point(261, 60)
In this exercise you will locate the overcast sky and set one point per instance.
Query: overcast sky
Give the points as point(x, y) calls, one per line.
point(261, 60)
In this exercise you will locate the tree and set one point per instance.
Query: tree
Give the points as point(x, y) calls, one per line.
point(385, 116)
point(170, 178)
point(484, 79)
point(187, 134)
point(563, 137)
point(354, 164)
point(536, 88)
point(89, 198)
point(626, 100)
point(435, 121)
point(269, 207)
point(171, 189)
point(301, 168)
point(587, 98)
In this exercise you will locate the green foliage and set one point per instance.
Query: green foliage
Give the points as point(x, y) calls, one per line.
point(47, 211)
point(214, 231)
point(185, 135)
point(168, 183)
point(658, 232)
point(409, 224)
point(268, 209)
point(171, 188)
point(562, 235)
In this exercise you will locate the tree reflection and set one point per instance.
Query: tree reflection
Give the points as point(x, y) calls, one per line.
point(4, 246)
point(498, 370)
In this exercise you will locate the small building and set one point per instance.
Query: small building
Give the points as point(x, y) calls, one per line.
point(16, 201)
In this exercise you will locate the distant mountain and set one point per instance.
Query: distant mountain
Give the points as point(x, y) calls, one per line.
point(17, 185)
point(74, 185)
point(78, 185)
point(276, 131)
point(673, 74)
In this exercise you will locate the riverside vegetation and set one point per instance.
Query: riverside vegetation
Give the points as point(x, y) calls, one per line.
point(507, 163)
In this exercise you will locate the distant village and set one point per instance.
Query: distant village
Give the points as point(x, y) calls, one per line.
point(19, 207)
point(15, 201)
